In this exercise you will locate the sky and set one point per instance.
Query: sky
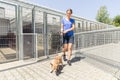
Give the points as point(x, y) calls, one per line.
point(82, 8)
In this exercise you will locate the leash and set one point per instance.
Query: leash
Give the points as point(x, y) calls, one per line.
point(60, 40)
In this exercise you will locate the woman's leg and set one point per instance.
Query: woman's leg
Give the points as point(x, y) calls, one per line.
point(64, 51)
point(65, 47)
point(69, 53)
point(69, 50)
point(70, 45)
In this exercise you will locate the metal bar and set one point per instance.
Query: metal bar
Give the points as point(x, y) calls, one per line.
point(33, 20)
point(6, 2)
point(21, 54)
point(45, 34)
point(17, 32)
point(34, 36)
point(97, 31)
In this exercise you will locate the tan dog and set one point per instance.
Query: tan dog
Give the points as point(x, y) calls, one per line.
point(55, 64)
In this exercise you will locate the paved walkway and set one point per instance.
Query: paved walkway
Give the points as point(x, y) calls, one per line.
point(80, 70)
point(84, 69)
point(108, 51)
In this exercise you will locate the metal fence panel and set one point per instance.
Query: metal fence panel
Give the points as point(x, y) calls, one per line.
point(53, 29)
point(102, 37)
point(28, 46)
point(103, 45)
point(8, 29)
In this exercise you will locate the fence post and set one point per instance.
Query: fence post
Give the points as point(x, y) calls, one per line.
point(20, 33)
point(34, 34)
point(45, 34)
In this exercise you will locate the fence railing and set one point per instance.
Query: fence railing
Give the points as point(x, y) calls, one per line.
point(96, 38)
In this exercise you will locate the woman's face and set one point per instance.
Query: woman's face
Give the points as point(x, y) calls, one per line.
point(68, 13)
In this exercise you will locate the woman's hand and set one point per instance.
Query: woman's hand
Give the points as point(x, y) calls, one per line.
point(61, 33)
point(64, 32)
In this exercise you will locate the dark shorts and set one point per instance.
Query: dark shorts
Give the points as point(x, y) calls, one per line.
point(68, 39)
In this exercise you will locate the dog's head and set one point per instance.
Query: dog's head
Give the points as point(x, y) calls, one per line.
point(56, 61)
point(57, 57)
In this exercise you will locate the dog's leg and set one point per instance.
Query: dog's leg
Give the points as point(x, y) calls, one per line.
point(58, 68)
point(61, 63)
point(52, 69)
point(57, 71)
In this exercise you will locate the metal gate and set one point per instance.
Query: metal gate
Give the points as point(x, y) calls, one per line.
point(53, 35)
point(40, 34)
point(8, 32)
point(28, 34)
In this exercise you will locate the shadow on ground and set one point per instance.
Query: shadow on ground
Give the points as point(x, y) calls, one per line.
point(78, 57)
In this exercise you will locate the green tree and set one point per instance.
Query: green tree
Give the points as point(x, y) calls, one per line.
point(116, 21)
point(103, 16)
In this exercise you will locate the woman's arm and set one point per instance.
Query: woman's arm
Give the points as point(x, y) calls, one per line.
point(61, 27)
point(61, 31)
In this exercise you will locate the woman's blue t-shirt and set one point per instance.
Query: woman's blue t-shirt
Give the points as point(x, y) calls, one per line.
point(67, 24)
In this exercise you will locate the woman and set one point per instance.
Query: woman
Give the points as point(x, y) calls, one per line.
point(67, 27)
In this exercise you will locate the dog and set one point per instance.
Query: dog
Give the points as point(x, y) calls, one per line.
point(55, 64)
